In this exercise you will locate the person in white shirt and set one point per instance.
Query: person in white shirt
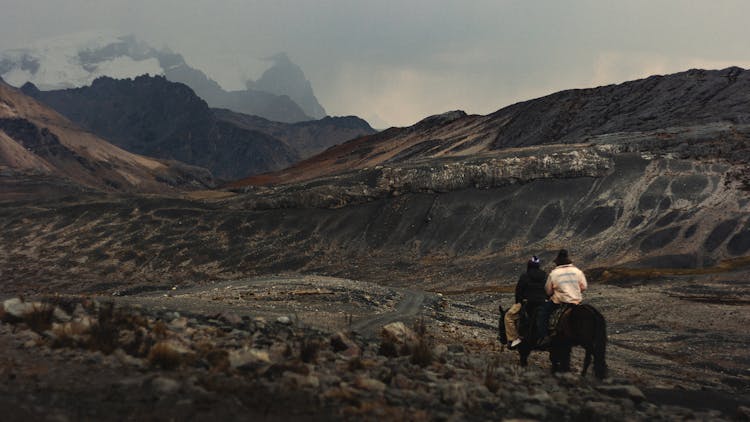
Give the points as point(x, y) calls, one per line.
point(565, 284)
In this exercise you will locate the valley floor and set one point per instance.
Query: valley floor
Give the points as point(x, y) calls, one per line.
point(669, 338)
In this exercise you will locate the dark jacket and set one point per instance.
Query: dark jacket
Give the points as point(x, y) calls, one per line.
point(531, 286)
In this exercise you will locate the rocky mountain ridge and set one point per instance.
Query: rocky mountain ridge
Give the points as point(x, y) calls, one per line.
point(155, 117)
point(37, 142)
point(687, 99)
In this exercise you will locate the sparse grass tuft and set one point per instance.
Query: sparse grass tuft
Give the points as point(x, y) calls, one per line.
point(105, 334)
point(217, 359)
point(422, 354)
point(164, 356)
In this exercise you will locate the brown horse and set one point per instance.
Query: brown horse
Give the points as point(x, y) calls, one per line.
point(580, 325)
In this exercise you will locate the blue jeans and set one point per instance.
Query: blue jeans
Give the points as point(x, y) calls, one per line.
point(542, 321)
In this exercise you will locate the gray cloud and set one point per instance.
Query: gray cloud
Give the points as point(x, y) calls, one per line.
point(394, 62)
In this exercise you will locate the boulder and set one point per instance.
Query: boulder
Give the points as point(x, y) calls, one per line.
point(369, 384)
point(399, 335)
point(164, 386)
point(340, 342)
point(248, 359)
point(16, 308)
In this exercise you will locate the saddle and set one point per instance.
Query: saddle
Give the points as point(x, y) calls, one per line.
point(556, 316)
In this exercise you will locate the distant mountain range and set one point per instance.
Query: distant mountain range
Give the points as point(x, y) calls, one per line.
point(281, 94)
point(36, 141)
point(152, 116)
point(690, 98)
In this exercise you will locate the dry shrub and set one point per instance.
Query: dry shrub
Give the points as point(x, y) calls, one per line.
point(422, 354)
point(105, 334)
point(164, 356)
point(490, 376)
point(69, 334)
point(309, 350)
point(160, 329)
point(217, 359)
point(39, 318)
point(356, 364)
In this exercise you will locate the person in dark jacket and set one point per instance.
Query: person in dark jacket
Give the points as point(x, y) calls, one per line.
point(530, 288)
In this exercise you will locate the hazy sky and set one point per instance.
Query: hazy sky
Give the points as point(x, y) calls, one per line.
point(395, 62)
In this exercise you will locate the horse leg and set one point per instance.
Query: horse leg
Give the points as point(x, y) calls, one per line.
point(523, 354)
point(554, 358)
point(560, 356)
point(586, 361)
point(566, 358)
point(600, 366)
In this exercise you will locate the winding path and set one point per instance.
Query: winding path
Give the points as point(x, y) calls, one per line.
point(409, 307)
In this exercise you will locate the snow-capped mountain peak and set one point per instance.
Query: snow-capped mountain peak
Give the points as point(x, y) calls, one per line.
point(75, 60)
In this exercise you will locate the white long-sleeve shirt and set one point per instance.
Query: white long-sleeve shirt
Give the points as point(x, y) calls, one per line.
point(565, 284)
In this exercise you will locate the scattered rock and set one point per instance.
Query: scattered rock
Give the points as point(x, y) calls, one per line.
point(16, 308)
point(535, 411)
point(301, 381)
point(165, 386)
point(60, 315)
point(285, 320)
point(454, 393)
point(626, 391)
point(599, 411)
point(230, 318)
point(341, 343)
point(398, 336)
point(369, 384)
point(248, 359)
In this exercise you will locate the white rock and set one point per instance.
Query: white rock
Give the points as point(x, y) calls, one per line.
point(60, 315)
point(165, 386)
point(248, 357)
point(398, 333)
point(17, 308)
point(284, 320)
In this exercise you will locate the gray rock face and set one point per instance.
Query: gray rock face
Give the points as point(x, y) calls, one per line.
point(286, 78)
point(689, 98)
point(688, 108)
point(158, 118)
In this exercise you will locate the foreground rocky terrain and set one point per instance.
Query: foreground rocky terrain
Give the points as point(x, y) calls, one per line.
point(310, 348)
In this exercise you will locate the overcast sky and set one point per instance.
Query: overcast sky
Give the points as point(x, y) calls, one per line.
point(394, 62)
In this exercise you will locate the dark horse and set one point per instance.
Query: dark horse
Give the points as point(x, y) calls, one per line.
point(580, 325)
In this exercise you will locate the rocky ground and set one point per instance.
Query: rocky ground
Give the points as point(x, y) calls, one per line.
point(315, 348)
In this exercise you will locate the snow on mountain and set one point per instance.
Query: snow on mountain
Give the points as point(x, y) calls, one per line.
point(76, 60)
point(71, 61)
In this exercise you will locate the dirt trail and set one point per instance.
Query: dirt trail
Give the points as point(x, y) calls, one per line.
point(409, 307)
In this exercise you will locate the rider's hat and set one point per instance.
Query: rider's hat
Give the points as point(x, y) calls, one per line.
point(562, 258)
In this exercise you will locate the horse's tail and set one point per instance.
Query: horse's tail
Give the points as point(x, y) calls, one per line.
point(600, 343)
